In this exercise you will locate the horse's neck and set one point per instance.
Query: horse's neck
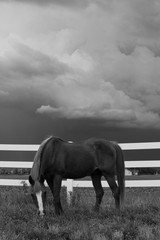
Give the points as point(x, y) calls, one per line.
point(35, 171)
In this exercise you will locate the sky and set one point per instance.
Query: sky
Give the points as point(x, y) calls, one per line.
point(77, 69)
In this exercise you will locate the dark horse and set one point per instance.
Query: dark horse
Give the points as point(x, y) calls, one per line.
point(56, 160)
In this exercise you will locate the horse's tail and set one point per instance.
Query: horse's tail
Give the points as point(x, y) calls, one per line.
point(120, 169)
point(34, 174)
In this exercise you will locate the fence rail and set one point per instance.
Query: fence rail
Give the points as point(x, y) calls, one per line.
point(128, 164)
point(124, 146)
point(70, 184)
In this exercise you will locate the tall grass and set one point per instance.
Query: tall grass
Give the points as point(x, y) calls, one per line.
point(140, 219)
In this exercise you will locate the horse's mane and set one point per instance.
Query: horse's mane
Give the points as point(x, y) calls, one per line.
point(36, 162)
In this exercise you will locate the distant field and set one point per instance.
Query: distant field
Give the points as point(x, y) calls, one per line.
point(140, 220)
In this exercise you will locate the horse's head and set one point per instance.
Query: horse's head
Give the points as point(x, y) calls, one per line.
point(38, 194)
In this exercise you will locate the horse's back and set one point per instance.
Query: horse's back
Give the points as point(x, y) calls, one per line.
point(71, 160)
point(101, 152)
point(75, 160)
point(105, 153)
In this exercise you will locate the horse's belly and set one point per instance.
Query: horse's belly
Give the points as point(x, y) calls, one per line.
point(79, 169)
point(77, 174)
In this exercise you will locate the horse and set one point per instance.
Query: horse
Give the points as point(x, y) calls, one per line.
point(57, 159)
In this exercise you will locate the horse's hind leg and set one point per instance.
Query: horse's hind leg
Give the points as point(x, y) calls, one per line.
point(96, 180)
point(114, 188)
point(57, 189)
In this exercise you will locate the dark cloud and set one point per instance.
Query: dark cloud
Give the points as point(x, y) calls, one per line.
point(18, 126)
point(25, 77)
point(77, 4)
point(65, 3)
point(88, 64)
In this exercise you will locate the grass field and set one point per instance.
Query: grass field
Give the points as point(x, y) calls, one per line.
point(140, 218)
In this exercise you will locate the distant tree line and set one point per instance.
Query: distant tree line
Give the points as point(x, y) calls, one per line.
point(14, 171)
point(135, 171)
point(144, 171)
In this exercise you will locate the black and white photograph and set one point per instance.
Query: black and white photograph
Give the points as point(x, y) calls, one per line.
point(79, 119)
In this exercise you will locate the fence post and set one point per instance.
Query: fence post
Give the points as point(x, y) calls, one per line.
point(69, 190)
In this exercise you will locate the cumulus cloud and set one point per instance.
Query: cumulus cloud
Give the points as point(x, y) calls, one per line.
point(98, 61)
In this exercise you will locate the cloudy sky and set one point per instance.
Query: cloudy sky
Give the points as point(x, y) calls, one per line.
point(77, 69)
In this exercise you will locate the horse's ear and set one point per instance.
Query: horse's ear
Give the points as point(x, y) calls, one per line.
point(31, 181)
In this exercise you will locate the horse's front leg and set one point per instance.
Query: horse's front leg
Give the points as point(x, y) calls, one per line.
point(57, 188)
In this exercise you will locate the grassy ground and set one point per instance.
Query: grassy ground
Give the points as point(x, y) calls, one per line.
point(139, 220)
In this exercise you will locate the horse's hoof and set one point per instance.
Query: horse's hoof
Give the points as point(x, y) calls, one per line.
point(59, 212)
point(96, 209)
point(41, 214)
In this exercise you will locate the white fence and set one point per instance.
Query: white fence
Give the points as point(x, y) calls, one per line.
point(70, 184)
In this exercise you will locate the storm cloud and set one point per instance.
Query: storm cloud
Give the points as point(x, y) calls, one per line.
point(96, 60)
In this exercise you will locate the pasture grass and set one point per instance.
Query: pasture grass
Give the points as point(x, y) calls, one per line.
point(139, 220)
